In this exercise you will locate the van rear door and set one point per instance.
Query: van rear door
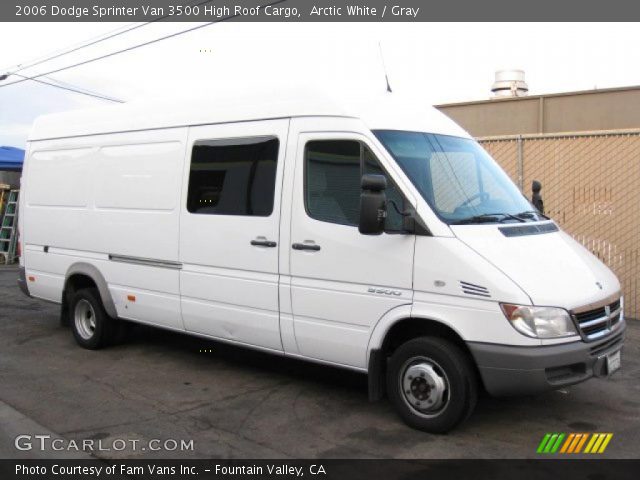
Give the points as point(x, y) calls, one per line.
point(229, 231)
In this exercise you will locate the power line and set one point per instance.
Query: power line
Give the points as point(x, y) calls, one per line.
point(140, 45)
point(70, 89)
point(109, 36)
point(62, 51)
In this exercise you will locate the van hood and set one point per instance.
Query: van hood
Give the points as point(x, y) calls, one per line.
point(552, 268)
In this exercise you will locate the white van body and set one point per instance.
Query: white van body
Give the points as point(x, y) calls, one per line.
point(105, 204)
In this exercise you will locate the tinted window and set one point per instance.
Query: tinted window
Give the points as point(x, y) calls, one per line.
point(233, 177)
point(333, 181)
point(333, 174)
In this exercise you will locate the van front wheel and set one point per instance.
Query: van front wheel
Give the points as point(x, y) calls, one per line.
point(432, 384)
point(92, 327)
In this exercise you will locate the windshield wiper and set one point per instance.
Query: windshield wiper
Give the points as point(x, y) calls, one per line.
point(531, 214)
point(488, 218)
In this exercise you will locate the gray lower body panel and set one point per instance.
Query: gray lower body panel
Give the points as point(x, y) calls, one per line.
point(511, 370)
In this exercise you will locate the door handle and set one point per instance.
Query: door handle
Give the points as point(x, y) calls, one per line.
point(263, 243)
point(306, 246)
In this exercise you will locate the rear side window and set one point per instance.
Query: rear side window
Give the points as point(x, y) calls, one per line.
point(233, 177)
point(333, 174)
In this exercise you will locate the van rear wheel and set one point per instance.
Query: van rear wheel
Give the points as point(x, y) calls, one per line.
point(91, 325)
point(432, 384)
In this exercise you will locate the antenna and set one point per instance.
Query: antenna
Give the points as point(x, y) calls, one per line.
point(384, 67)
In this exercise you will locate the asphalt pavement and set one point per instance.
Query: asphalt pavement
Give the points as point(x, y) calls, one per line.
point(167, 395)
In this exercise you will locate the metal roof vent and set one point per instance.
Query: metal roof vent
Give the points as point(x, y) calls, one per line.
point(509, 83)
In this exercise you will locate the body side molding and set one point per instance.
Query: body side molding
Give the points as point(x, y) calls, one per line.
point(150, 262)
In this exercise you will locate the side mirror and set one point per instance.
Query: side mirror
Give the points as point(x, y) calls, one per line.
point(373, 204)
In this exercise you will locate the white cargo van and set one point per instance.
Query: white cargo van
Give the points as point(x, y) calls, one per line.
point(375, 236)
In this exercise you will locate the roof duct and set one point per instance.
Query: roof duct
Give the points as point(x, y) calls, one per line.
point(509, 83)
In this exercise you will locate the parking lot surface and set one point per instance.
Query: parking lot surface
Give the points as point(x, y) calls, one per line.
point(236, 403)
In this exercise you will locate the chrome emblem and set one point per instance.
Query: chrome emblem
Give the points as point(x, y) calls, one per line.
point(384, 291)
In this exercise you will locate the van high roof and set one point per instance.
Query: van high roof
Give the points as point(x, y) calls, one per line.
point(386, 111)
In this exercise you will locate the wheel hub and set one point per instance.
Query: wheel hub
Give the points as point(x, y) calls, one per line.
point(424, 388)
point(85, 319)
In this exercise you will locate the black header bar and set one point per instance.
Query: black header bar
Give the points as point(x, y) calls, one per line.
point(317, 10)
point(287, 469)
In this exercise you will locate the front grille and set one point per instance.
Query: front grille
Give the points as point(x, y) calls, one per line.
point(599, 322)
point(607, 345)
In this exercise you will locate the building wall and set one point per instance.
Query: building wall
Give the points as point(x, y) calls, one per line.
point(609, 109)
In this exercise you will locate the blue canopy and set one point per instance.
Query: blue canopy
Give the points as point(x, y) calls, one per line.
point(11, 158)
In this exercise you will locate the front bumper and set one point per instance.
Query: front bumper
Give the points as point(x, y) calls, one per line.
point(511, 370)
point(22, 282)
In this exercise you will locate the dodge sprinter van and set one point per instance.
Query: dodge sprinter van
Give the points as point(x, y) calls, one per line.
point(376, 236)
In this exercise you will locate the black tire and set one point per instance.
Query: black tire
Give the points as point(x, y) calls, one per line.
point(445, 364)
point(91, 325)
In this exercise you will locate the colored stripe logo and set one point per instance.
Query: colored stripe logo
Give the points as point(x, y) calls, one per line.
point(574, 443)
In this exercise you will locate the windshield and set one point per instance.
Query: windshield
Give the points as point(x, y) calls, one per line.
point(457, 178)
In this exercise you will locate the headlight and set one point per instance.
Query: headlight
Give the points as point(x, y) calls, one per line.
point(539, 322)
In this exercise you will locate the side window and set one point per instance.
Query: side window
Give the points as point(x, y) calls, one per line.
point(233, 177)
point(333, 172)
point(332, 183)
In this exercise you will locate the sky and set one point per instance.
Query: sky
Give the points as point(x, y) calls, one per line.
point(432, 62)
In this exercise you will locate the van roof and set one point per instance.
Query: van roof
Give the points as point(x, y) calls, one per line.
point(387, 111)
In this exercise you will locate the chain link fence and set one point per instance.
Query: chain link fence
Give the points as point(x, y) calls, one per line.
point(590, 186)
